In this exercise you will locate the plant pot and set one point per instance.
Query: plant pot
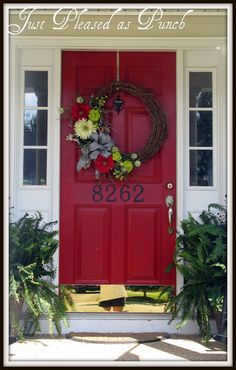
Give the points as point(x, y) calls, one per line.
point(217, 317)
point(16, 310)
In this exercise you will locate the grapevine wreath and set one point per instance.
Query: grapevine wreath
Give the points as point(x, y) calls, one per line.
point(92, 132)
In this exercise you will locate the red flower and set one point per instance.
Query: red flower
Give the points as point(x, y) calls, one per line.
point(104, 165)
point(79, 111)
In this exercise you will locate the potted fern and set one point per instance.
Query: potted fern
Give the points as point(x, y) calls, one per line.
point(32, 293)
point(200, 256)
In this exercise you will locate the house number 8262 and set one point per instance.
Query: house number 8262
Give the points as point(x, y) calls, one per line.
point(109, 193)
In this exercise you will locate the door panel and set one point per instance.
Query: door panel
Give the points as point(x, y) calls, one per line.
point(117, 232)
point(92, 241)
point(142, 234)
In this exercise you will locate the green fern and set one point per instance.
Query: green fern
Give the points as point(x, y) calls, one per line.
point(200, 256)
point(32, 244)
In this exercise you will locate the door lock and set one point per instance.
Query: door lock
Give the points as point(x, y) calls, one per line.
point(169, 185)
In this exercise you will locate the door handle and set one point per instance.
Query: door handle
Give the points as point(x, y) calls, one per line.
point(169, 202)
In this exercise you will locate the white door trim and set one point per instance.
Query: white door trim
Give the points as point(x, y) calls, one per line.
point(121, 43)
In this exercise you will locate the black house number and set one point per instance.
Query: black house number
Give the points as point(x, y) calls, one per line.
point(110, 194)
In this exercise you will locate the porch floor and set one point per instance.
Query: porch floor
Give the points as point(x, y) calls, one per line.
point(152, 347)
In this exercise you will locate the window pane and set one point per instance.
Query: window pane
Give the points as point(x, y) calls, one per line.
point(35, 165)
point(35, 127)
point(36, 89)
point(201, 168)
point(200, 89)
point(200, 132)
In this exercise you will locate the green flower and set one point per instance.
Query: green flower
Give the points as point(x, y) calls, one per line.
point(119, 176)
point(101, 100)
point(137, 163)
point(94, 115)
point(84, 128)
point(116, 156)
point(114, 149)
point(128, 166)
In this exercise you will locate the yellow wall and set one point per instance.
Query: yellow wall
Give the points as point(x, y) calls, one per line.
point(197, 23)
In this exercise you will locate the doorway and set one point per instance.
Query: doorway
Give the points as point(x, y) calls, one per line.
point(126, 240)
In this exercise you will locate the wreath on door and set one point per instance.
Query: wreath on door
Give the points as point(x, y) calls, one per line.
point(92, 132)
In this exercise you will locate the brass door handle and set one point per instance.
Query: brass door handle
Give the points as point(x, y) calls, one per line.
point(169, 202)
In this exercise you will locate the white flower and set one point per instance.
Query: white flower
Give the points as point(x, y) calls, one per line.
point(134, 156)
point(137, 163)
point(61, 110)
point(84, 128)
point(80, 99)
point(70, 137)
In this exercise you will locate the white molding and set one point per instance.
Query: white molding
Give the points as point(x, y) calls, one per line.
point(8, 187)
point(14, 128)
point(179, 148)
point(225, 102)
point(56, 151)
point(122, 43)
point(20, 127)
point(11, 118)
point(216, 129)
point(227, 70)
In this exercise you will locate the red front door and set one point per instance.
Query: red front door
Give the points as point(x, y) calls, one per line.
point(117, 232)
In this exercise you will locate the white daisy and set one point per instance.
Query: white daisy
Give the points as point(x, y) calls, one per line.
point(84, 128)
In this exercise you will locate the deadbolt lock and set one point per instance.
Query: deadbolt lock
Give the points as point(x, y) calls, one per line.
point(170, 185)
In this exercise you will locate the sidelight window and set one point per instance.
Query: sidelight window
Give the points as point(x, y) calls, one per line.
point(35, 118)
point(201, 123)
